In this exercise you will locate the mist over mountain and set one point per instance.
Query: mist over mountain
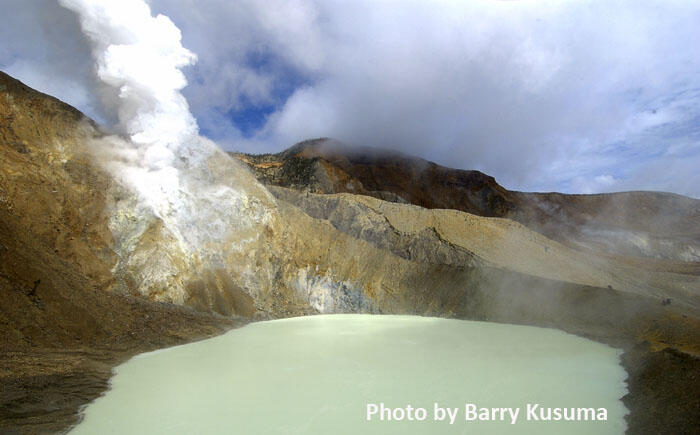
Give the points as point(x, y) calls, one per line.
point(641, 224)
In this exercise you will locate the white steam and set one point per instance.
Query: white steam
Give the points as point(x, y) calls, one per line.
point(174, 171)
point(139, 57)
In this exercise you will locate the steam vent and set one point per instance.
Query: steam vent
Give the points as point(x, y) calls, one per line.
point(177, 257)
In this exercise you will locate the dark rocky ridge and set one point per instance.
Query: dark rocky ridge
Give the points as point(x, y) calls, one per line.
point(64, 323)
point(650, 225)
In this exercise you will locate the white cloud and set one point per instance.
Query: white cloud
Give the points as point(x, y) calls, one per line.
point(540, 94)
point(599, 183)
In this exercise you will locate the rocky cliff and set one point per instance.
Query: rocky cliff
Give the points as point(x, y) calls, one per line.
point(87, 267)
point(650, 225)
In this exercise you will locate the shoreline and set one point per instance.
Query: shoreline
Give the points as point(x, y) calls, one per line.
point(45, 389)
point(663, 390)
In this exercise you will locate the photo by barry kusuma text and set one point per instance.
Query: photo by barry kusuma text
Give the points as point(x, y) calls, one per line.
point(472, 412)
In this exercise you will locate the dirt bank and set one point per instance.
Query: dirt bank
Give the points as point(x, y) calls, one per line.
point(664, 391)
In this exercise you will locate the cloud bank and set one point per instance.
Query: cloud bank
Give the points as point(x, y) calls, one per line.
point(576, 96)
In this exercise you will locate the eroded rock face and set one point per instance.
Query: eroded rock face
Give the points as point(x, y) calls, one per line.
point(57, 252)
point(217, 222)
point(50, 188)
point(649, 225)
point(57, 183)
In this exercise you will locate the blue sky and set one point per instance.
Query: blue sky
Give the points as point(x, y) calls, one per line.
point(577, 96)
point(249, 115)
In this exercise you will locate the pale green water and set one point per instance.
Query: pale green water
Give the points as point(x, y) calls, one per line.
point(317, 374)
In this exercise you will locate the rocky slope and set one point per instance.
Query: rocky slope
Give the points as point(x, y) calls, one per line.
point(655, 225)
point(90, 275)
point(61, 328)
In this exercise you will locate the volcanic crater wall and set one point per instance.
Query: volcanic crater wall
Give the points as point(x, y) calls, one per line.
point(281, 252)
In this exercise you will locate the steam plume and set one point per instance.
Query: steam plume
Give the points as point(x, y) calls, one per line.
point(138, 59)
